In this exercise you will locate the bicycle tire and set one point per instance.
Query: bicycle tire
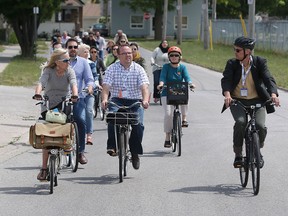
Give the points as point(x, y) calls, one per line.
point(121, 154)
point(255, 163)
point(244, 170)
point(173, 133)
point(73, 156)
point(52, 173)
point(126, 157)
point(178, 135)
point(96, 105)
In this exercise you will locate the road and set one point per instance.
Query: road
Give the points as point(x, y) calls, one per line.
point(200, 182)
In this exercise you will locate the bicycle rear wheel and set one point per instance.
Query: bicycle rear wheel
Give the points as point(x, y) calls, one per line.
point(121, 154)
point(73, 156)
point(255, 162)
point(52, 172)
point(244, 170)
point(178, 134)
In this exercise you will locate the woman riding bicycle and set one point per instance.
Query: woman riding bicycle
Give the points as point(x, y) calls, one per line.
point(57, 80)
point(173, 72)
point(247, 78)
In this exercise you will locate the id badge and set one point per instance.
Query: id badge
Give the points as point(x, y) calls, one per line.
point(125, 94)
point(244, 92)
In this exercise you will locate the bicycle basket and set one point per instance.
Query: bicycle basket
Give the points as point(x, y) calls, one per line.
point(177, 93)
point(122, 118)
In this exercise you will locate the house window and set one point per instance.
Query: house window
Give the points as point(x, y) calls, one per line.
point(184, 22)
point(136, 22)
point(66, 15)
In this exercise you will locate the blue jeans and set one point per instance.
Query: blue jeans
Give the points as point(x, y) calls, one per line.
point(135, 141)
point(89, 102)
point(80, 119)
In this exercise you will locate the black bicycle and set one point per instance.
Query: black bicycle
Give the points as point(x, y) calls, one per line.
point(251, 150)
point(122, 120)
point(177, 94)
point(58, 157)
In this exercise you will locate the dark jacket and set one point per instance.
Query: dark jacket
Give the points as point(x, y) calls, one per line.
point(264, 82)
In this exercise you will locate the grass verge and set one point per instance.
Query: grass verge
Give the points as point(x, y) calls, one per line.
point(193, 52)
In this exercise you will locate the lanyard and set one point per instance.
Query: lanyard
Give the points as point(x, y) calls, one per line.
point(245, 74)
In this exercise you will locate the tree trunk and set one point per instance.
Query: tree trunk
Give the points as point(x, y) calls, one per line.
point(158, 22)
point(25, 33)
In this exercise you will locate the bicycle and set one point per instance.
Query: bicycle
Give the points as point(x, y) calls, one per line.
point(122, 121)
point(177, 94)
point(251, 149)
point(97, 104)
point(57, 155)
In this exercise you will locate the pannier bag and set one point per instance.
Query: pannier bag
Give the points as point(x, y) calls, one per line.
point(56, 117)
point(47, 135)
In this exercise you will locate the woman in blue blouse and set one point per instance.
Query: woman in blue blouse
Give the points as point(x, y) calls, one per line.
point(173, 71)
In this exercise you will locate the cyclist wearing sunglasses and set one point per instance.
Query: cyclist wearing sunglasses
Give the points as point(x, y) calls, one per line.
point(247, 79)
point(173, 72)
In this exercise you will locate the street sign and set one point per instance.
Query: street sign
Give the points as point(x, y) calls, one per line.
point(146, 16)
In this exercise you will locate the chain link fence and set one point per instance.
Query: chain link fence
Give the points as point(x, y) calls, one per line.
point(269, 35)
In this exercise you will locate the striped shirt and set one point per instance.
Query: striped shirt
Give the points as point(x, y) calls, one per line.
point(129, 80)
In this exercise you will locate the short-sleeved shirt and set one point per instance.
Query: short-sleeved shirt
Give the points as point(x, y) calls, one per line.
point(129, 80)
point(56, 87)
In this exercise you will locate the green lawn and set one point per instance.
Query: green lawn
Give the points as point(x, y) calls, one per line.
point(193, 52)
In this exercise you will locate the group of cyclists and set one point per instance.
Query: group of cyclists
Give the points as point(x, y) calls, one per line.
point(245, 78)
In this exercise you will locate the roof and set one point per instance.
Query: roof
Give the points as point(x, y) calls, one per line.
point(91, 10)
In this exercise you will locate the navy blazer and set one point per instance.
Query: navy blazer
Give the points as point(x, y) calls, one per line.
point(264, 82)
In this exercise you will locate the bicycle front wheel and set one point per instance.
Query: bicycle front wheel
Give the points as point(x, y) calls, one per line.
point(52, 172)
point(126, 157)
point(101, 111)
point(121, 154)
point(96, 105)
point(255, 163)
point(178, 134)
point(244, 170)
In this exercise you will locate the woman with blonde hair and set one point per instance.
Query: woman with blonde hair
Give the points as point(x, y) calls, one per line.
point(57, 80)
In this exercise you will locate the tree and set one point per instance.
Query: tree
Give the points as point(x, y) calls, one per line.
point(233, 8)
point(19, 15)
point(157, 6)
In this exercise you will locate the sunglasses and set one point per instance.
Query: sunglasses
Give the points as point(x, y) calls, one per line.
point(126, 53)
point(93, 52)
point(71, 47)
point(237, 50)
point(174, 55)
point(115, 49)
point(64, 60)
point(122, 41)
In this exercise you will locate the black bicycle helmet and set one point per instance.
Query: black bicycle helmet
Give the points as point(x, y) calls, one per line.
point(245, 43)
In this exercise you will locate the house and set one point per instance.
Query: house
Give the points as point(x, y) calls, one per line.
point(74, 17)
point(139, 24)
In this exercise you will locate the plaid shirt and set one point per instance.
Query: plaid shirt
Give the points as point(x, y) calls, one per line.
point(129, 80)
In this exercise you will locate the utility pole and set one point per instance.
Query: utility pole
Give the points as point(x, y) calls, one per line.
point(214, 12)
point(205, 24)
point(179, 22)
point(164, 25)
point(251, 20)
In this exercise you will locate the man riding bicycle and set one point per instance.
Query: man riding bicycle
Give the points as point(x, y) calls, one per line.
point(247, 79)
point(127, 82)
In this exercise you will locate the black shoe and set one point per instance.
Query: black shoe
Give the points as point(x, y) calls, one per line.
point(112, 152)
point(238, 162)
point(135, 161)
point(167, 144)
point(261, 161)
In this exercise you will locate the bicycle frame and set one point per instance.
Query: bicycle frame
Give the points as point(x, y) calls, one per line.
point(122, 134)
point(252, 148)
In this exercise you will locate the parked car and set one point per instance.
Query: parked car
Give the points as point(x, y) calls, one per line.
point(102, 28)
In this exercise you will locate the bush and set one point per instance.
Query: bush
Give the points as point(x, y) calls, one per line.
point(12, 39)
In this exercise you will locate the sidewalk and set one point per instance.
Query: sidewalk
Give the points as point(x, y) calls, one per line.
point(13, 130)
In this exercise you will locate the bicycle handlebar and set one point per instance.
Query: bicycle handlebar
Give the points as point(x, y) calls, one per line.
point(236, 102)
point(125, 107)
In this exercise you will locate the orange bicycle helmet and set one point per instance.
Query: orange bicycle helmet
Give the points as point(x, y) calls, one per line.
point(174, 49)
